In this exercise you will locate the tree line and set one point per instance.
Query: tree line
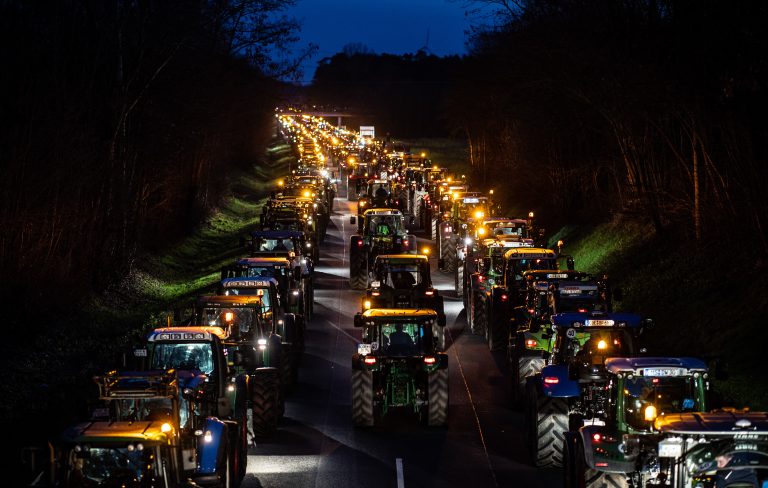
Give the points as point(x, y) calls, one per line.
point(121, 121)
point(652, 109)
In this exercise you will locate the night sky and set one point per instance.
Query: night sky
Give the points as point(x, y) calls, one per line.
point(384, 26)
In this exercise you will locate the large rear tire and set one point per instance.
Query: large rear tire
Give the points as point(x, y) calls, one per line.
point(362, 398)
point(478, 313)
point(358, 270)
point(448, 254)
point(437, 389)
point(458, 282)
point(547, 422)
point(265, 386)
point(498, 334)
point(523, 367)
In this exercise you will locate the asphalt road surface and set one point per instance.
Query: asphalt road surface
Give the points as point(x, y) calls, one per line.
point(317, 446)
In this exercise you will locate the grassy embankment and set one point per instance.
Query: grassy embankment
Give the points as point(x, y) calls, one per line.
point(51, 376)
point(704, 303)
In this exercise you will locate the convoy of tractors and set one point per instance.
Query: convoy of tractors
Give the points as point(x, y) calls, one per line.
point(216, 377)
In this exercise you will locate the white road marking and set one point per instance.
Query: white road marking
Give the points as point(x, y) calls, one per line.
point(399, 467)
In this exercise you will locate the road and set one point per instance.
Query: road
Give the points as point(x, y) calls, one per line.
point(316, 445)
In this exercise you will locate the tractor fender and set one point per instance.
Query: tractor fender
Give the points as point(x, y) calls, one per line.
point(210, 454)
point(287, 331)
point(440, 309)
point(611, 444)
point(555, 382)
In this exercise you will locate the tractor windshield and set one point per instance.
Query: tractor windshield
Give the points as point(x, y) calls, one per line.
point(401, 338)
point(400, 276)
point(582, 301)
point(276, 244)
point(385, 225)
point(646, 397)
point(519, 266)
point(244, 318)
point(594, 346)
point(183, 355)
point(114, 466)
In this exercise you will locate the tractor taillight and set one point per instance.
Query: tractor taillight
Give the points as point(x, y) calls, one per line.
point(551, 380)
point(531, 343)
point(596, 437)
point(429, 293)
point(504, 298)
point(359, 243)
point(430, 360)
point(370, 360)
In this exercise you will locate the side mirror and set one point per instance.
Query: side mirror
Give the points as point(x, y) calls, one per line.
point(570, 263)
point(242, 241)
point(353, 220)
point(486, 263)
point(359, 320)
point(440, 263)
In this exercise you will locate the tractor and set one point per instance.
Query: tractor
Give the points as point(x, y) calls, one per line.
point(381, 231)
point(403, 281)
point(656, 432)
point(399, 366)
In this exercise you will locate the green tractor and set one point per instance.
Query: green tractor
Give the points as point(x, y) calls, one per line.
point(380, 231)
point(653, 427)
point(399, 366)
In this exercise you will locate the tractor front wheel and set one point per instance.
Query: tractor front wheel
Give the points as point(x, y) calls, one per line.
point(265, 385)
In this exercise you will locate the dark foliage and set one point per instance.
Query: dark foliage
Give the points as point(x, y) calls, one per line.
point(644, 107)
point(120, 123)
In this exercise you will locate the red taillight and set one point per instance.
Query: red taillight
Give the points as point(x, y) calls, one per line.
point(405, 242)
point(375, 293)
point(601, 465)
point(480, 278)
point(359, 243)
point(596, 437)
point(551, 380)
point(531, 343)
point(504, 298)
point(430, 360)
point(370, 360)
point(583, 310)
point(429, 292)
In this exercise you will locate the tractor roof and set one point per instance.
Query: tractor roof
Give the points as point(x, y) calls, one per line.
point(278, 234)
point(730, 424)
point(553, 274)
point(530, 253)
point(236, 300)
point(381, 211)
point(201, 333)
point(402, 257)
point(261, 261)
point(597, 319)
point(399, 313)
point(656, 366)
point(118, 432)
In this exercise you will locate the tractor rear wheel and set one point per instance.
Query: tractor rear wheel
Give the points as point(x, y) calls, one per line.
point(358, 270)
point(437, 389)
point(362, 398)
point(523, 367)
point(478, 313)
point(265, 385)
point(547, 422)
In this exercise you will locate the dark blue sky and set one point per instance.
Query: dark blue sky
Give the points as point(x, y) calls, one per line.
point(384, 26)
